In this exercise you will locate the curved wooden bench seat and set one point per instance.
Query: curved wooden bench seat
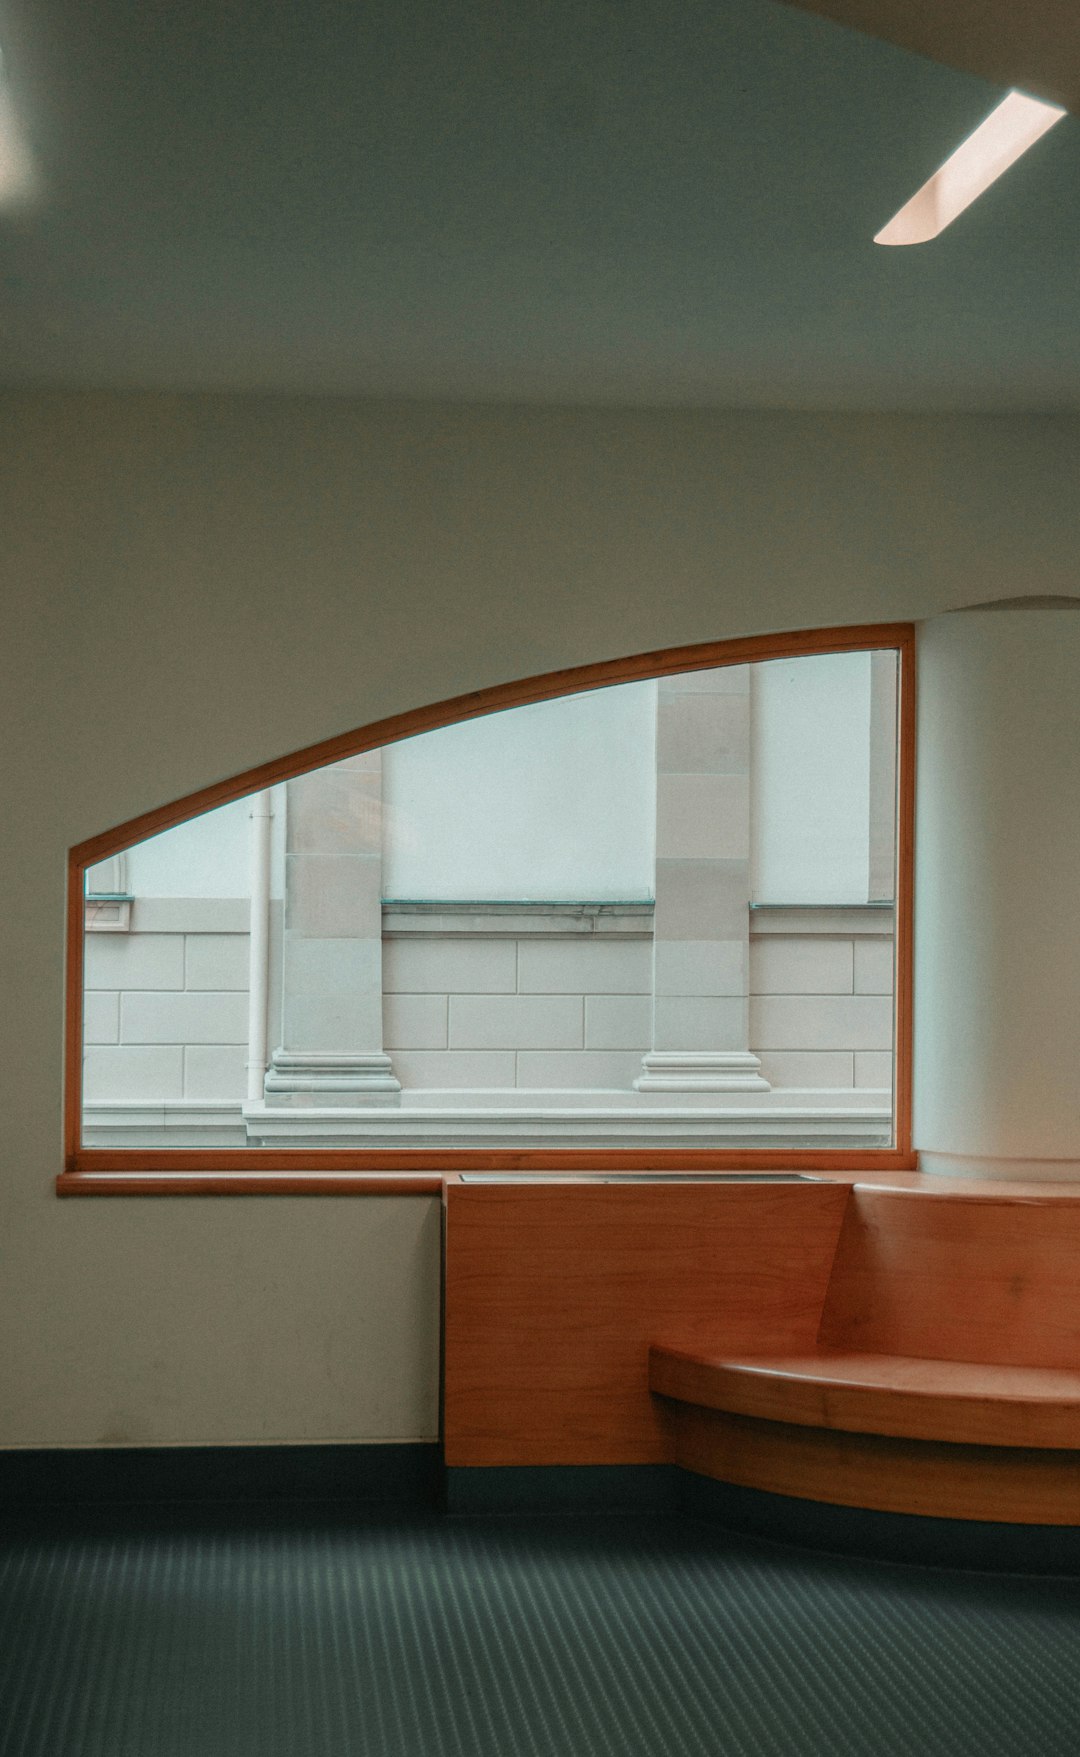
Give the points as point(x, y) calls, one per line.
point(944, 1377)
point(962, 1402)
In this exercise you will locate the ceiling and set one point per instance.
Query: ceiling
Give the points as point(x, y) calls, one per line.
point(650, 202)
point(1035, 46)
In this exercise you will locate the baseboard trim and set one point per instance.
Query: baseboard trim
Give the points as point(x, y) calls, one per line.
point(906, 1538)
point(405, 1475)
point(560, 1488)
point(411, 1477)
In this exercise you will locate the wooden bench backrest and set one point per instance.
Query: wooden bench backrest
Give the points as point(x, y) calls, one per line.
point(957, 1277)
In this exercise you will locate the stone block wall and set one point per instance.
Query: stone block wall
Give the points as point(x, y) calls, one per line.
point(486, 1003)
point(476, 997)
point(165, 1017)
point(529, 1000)
point(821, 996)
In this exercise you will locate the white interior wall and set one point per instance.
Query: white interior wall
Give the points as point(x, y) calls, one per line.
point(193, 585)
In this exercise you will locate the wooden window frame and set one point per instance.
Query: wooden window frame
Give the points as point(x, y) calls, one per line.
point(419, 1170)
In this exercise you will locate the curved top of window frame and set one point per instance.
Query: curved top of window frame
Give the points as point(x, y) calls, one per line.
point(422, 1170)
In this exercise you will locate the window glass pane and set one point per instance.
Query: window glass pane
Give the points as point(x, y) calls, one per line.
point(657, 914)
point(483, 809)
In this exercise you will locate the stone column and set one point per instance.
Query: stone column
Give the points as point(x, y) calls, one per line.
point(997, 892)
point(702, 933)
point(331, 1029)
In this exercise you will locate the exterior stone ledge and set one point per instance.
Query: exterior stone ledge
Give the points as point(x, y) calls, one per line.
point(546, 1127)
point(172, 1122)
point(493, 1120)
point(514, 920)
point(843, 919)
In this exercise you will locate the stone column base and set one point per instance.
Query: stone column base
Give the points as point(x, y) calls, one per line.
point(719, 1070)
point(307, 1077)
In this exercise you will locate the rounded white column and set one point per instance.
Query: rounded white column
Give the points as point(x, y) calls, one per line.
point(997, 892)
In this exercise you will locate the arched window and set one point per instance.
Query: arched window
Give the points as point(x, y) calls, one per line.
point(645, 915)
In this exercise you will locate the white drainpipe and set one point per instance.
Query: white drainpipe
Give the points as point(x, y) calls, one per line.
point(259, 950)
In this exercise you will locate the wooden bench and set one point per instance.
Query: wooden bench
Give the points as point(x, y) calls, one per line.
point(945, 1377)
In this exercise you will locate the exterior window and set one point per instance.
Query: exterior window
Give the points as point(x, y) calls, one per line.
point(108, 901)
point(648, 917)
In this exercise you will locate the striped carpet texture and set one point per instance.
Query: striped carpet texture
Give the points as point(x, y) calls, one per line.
point(192, 1634)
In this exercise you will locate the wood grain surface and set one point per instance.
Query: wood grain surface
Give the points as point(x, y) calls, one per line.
point(972, 1277)
point(247, 1183)
point(1012, 1485)
point(956, 1401)
point(555, 1292)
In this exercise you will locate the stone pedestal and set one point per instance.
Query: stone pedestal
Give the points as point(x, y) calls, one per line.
point(700, 1036)
point(331, 1030)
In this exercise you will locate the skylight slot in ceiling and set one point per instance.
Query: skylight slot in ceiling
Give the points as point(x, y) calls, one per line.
point(1006, 134)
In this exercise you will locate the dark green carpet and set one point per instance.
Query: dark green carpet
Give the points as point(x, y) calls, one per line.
point(193, 1633)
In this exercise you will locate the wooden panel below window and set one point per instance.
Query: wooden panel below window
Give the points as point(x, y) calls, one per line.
point(554, 1294)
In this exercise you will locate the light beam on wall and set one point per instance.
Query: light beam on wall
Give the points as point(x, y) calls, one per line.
point(1016, 124)
point(18, 172)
